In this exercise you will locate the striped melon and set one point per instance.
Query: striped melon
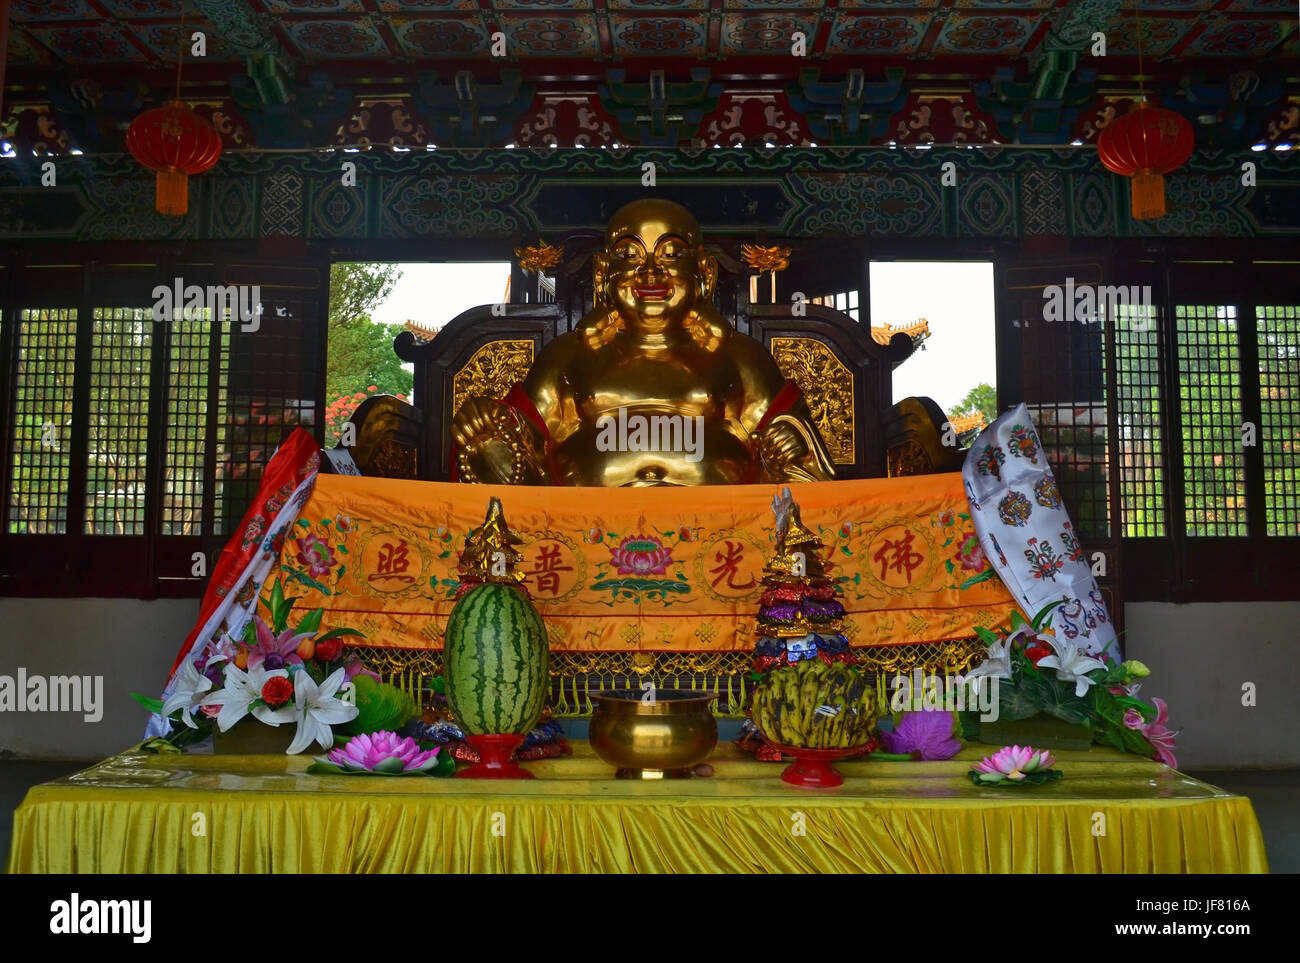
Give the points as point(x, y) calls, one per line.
point(496, 661)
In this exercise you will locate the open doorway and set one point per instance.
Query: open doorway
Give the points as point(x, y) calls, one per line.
point(371, 303)
point(947, 306)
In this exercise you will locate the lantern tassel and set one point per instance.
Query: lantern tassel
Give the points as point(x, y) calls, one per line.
point(1148, 195)
point(172, 192)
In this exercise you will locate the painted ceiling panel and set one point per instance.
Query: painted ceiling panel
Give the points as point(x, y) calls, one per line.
point(92, 32)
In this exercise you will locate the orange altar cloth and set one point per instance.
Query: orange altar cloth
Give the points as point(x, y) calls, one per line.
point(648, 569)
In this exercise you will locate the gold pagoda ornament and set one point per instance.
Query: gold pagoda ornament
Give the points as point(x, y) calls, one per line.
point(800, 615)
point(490, 554)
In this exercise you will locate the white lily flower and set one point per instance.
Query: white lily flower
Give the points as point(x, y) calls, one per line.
point(191, 687)
point(997, 665)
point(1070, 663)
point(316, 709)
point(242, 689)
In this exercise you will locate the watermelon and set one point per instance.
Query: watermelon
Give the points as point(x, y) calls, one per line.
point(496, 661)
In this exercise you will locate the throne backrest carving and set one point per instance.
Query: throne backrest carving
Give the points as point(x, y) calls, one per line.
point(845, 375)
point(479, 352)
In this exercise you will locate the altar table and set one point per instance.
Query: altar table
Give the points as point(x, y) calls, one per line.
point(139, 813)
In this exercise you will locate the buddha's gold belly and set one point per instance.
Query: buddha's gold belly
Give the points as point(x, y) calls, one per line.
point(632, 447)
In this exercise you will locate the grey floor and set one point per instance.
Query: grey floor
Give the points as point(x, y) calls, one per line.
point(1273, 794)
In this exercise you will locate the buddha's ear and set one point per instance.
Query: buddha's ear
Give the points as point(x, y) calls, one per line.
point(599, 274)
point(708, 274)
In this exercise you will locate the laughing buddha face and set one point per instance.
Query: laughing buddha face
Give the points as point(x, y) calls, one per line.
point(653, 268)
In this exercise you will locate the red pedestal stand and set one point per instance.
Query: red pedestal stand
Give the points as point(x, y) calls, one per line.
point(494, 758)
point(812, 768)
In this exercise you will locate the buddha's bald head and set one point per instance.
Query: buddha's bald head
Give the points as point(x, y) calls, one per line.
point(653, 217)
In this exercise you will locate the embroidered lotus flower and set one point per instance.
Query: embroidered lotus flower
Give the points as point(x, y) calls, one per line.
point(971, 553)
point(316, 554)
point(383, 751)
point(641, 555)
point(1012, 764)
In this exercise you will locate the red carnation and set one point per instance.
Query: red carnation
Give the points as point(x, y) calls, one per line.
point(329, 650)
point(1036, 652)
point(277, 691)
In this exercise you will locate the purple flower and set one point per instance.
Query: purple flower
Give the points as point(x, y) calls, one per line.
point(283, 647)
point(926, 732)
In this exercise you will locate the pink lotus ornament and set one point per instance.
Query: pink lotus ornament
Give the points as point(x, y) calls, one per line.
point(382, 752)
point(1014, 766)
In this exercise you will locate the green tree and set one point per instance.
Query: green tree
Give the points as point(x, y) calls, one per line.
point(360, 357)
point(982, 398)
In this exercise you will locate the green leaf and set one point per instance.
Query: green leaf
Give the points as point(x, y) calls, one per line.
point(1043, 617)
point(153, 705)
point(342, 548)
point(946, 544)
point(446, 764)
point(311, 622)
point(342, 570)
point(337, 633)
point(277, 599)
point(1059, 700)
point(1017, 700)
point(985, 636)
point(389, 765)
point(984, 576)
point(304, 523)
point(949, 566)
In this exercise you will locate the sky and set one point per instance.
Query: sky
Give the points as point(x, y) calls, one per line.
point(956, 298)
point(433, 294)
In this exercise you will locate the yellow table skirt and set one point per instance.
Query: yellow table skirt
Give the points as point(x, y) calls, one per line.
point(1112, 813)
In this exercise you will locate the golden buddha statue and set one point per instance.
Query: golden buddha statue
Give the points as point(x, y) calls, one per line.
point(653, 387)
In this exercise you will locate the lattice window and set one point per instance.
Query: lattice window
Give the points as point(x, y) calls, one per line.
point(41, 425)
point(121, 339)
point(1278, 329)
point(277, 369)
point(1209, 395)
point(1137, 397)
point(189, 370)
point(843, 301)
point(1072, 426)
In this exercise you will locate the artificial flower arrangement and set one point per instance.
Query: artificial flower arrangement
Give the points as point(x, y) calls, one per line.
point(278, 675)
point(1039, 671)
point(1015, 766)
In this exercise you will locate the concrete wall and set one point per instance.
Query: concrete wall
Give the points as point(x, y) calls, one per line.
point(1200, 656)
point(131, 643)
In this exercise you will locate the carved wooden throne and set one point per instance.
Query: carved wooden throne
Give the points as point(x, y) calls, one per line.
point(846, 378)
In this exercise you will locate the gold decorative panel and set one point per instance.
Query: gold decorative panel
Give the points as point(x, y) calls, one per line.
point(492, 371)
point(827, 386)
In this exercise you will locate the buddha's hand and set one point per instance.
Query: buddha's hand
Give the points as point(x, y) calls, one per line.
point(495, 445)
point(789, 451)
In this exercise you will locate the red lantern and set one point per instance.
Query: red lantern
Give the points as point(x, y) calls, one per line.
point(1145, 144)
point(175, 142)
